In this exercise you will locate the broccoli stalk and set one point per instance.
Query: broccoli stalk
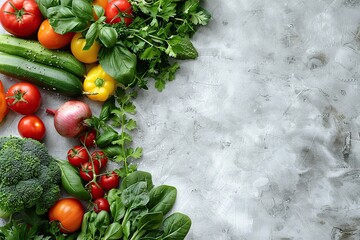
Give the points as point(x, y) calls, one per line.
point(29, 176)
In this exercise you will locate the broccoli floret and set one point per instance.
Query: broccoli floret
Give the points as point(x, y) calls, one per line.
point(29, 176)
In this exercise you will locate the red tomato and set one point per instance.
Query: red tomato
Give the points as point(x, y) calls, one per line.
point(88, 138)
point(69, 213)
point(109, 181)
point(31, 126)
point(99, 158)
point(23, 98)
point(96, 191)
point(86, 171)
point(21, 18)
point(118, 10)
point(77, 156)
point(101, 204)
point(51, 39)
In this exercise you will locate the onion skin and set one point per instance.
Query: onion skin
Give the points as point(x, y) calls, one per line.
point(68, 119)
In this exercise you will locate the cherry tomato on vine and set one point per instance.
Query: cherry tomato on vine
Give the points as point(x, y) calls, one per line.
point(101, 204)
point(77, 156)
point(69, 213)
point(96, 191)
point(88, 138)
point(119, 10)
point(31, 126)
point(51, 39)
point(86, 56)
point(21, 18)
point(99, 158)
point(109, 181)
point(86, 171)
point(23, 98)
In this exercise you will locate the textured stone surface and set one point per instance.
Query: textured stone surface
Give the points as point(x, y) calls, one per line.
point(260, 134)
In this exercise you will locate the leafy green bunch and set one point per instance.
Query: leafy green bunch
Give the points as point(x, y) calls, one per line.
point(138, 210)
point(133, 54)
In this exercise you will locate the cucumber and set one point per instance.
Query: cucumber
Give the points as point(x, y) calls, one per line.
point(48, 77)
point(34, 51)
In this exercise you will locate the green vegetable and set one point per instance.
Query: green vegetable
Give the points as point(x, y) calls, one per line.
point(138, 211)
point(51, 78)
point(29, 176)
point(34, 51)
point(71, 181)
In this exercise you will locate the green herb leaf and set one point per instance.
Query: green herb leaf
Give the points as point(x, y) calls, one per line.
point(119, 63)
point(108, 36)
point(63, 20)
point(82, 9)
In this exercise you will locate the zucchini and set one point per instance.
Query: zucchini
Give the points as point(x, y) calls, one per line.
point(34, 51)
point(48, 77)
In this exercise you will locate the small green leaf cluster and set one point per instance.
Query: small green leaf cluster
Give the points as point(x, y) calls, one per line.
point(116, 113)
point(138, 210)
point(29, 176)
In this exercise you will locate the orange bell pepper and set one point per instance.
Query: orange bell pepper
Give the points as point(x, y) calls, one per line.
point(3, 106)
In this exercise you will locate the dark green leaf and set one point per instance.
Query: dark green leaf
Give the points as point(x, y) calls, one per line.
point(113, 232)
point(119, 63)
point(150, 221)
point(82, 9)
point(162, 199)
point(99, 11)
point(135, 196)
point(108, 36)
point(91, 35)
point(181, 48)
point(176, 226)
point(135, 177)
point(63, 20)
point(150, 53)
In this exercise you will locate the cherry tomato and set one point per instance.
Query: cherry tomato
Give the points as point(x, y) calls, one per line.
point(51, 39)
point(77, 156)
point(101, 204)
point(88, 138)
point(86, 56)
point(96, 191)
point(23, 98)
point(99, 158)
point(21, 18)
point(69, 213)
point(31, 126)
point(118, 10)
point(86, 171)
point(109, 181)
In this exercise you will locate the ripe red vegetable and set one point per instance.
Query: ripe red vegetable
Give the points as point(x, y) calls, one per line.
point(109, 181)
point(96, 191)
point(21, 18)
point(77, 156)
point(31, 126)
point(86, 171)
point(88, 138)
point(101, 204)
point(118, 10)
point(99, 158)
point(23, 98)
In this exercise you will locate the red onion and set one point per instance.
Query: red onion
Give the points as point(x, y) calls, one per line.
point(68, 119)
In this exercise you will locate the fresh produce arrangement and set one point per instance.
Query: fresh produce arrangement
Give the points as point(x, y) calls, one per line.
point(105, 51)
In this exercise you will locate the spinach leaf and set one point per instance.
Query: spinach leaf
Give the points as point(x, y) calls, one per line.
point(176, 226)
point(117, 210)
point(114, 231)
point(119, 63)
point(135, 196)
point(135, 177)
point(150, 221)
point(162, 198)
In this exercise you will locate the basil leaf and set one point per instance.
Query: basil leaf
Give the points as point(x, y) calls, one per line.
point(99, 11)
point(45, 4)
point(162, 199)
point(82, 9)
point(119, 63)
point(176, 226)
point(63, 20)
point(91, 35)
point(108, 36)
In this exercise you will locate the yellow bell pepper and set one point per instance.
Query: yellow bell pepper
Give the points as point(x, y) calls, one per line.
point(98, 85)
point(3, 106)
